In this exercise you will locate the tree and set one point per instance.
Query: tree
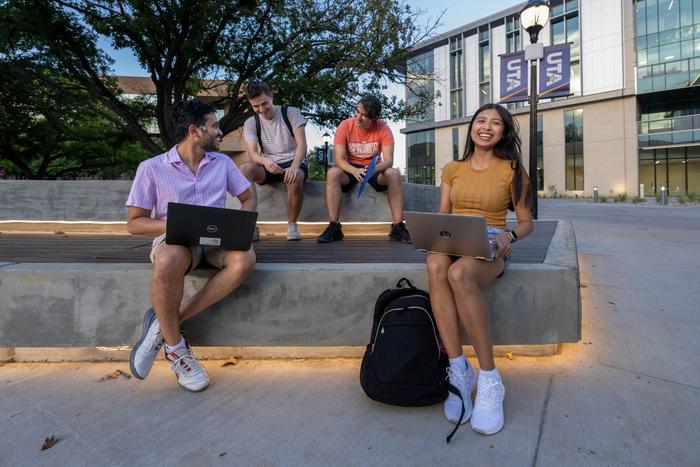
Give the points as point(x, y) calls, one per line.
point(319, 55)
point(52, 128)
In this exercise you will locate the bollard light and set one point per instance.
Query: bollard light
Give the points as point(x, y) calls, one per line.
point(663, 200)
point(595, 194)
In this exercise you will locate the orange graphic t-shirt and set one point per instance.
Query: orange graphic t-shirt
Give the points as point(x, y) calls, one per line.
point(362, 145)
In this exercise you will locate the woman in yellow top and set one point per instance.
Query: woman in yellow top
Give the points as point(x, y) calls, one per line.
point(488, 180)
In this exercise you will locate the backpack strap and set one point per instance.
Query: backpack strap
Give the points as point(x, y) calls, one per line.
point(258, 131)
point(286, 120)
point(408, 283)
point(456, 392)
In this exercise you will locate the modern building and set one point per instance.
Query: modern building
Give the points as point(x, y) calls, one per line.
point(631, 124)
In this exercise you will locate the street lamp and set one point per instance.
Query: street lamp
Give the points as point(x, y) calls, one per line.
point(533, 18)
point(326, 138)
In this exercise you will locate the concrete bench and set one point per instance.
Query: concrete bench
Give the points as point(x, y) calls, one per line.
point(279, 306)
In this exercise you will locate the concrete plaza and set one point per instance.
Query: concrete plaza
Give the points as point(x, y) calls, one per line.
point(627, 394)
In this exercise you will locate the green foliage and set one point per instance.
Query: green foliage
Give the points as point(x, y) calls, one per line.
point(318, 55)
point(638, 199)
point(621, 197)
point(682, 199)
point(603, 199)
point(692, 198)
point(316, 170)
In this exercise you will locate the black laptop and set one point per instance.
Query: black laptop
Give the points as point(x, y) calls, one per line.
point(192, 225)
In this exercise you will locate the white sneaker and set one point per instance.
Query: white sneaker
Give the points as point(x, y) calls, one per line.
point(487, 417)
point(144, 353)
point(465, 383)
point(293, 232)
point(191, 375)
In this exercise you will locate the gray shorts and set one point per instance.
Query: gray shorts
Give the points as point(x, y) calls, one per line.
point(211, 255)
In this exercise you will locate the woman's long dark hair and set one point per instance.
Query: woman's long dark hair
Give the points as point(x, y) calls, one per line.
point(508, 148)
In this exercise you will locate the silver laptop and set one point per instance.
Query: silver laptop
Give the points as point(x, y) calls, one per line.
point(451, 234)
point(191, 225)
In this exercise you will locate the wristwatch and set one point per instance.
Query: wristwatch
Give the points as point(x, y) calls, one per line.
point(513, 236)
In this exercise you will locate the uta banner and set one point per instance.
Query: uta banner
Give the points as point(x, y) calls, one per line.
point(555, 71)
point(513, 77)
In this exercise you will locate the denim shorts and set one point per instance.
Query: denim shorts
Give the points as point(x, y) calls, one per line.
point(493, 231)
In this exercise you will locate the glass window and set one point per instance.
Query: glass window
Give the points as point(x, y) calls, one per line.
point(558, 31)
point(455, 143)
point(670, 52)
point(575, 79)
point(557, 7)
point(484, 63)
point(652, 17)
point(573, 138)
point(572, 35)
point(669, 14)
point(686, 12)
point(484, 93)
point(696, 13)
point(641, 19)
point(420, 86)
point(421, 157)
point(646, 172)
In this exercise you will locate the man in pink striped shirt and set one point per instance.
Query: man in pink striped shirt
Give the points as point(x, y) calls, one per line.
point(190, 172)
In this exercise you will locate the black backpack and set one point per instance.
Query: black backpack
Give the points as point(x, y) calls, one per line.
point(404, 363)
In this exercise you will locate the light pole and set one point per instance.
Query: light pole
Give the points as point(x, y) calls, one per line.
point(533, 18)
point(326, 138)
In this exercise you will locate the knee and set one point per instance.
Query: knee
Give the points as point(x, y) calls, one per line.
point(334, 175)
point(240, 261)
point(172, 260)
point(392, 175)
point(437, 267)
point(247, 169)
point(460, 278)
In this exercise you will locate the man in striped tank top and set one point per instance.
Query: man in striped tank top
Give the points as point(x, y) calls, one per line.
point(275, 138)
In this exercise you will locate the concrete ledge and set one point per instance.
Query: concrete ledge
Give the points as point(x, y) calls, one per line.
point(288, 305)
point(119, 354)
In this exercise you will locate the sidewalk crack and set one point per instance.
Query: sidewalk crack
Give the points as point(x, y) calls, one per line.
point(542, 419)
point(646, 375)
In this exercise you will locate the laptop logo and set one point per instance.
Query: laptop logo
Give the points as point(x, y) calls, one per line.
point(212, 229)
point(445, 234)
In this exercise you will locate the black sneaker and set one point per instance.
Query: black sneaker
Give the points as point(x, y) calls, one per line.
point(332, 233)
point(399, 233)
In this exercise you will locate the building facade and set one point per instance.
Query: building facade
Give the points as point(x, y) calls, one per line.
point(631, 124)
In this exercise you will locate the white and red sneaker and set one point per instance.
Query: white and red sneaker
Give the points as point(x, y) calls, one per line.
point(191, 375)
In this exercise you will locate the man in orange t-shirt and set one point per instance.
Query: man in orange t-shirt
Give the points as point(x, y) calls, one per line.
point(357, 140)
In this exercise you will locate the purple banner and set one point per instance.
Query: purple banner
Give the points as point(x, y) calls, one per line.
point(513, 77)
point(555, 71)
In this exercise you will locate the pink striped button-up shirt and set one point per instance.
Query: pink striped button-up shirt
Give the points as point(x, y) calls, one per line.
point(165, 178)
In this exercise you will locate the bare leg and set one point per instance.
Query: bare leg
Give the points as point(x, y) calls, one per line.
point(443, 303)
point(336, 177)
point(295, 198)
point(256, 174)
point(237, 266)
point(167, 283)
point(467, 277)
point(392, 179)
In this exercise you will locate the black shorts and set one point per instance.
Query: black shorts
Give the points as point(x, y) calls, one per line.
point(275, 178)
point(372, 181)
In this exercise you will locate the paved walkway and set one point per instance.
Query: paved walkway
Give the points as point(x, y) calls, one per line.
point(627, 394)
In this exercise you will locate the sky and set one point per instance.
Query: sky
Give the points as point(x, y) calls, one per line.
point(455, 13)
